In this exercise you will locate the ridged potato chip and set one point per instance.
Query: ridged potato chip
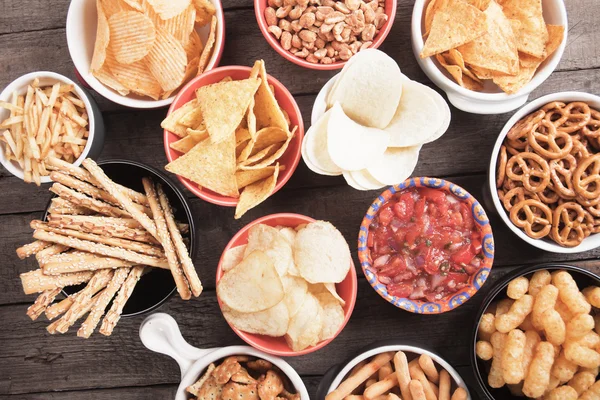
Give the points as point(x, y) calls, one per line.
point(205, 10)
point(102, 40)
point(135, 76)
point(273, 321)
point(132, 35)
point(169, 8)
point(167, 60)
point(207, 51)
point(181, 26)
point(107, 78)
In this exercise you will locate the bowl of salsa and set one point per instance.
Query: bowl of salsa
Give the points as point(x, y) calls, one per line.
point(426, 245)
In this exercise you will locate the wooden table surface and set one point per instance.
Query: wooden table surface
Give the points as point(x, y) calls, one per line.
point(36, 365)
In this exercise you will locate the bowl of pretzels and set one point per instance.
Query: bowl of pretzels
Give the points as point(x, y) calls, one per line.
point(544, 174)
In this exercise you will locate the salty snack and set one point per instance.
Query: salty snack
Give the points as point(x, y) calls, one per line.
point(325, 33)
point(45, 121)
point(232, 136)
point(282, 283)
point(424, 244)
point(106, 249)
point(417, 379)
point(149, 47)
point(504, 41)
point(548, 173)
point(536, 349)
point(242, 377)
point(374, 143)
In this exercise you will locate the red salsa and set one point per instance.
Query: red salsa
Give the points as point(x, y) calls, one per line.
point(424, 244)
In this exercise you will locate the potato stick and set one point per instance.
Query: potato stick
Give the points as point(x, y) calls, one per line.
point(74, 140)
point(69, 133)
point(10, 142)
point(11, 120)
point(381, 387)
point(44, 121)
point(114, 314)
point(54, 95)
point(35, 281)
point(81, 311)
point(416, 390)
point(427, 365)
point(357, 367)
point(346, 387)
point(182, 251)
point(31, 248)
point(76, 261)
point(417, 373)
point(354, 397)
point(88, 326)
point(125, 201)
point(66, 88)
point(83, 200)
point(370, 381)
point(36, 172)
point(56, 129)
point(41, 96)
point(47, 145)
point(403, 374)
point(459, 394)
point(101, 249)
point(162, 234)
point(42, 302)
point(50, 251)
point(75, 101)
point(11, 107)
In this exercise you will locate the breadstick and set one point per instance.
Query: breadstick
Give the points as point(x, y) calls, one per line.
point(381, 387)
point(416, 390)
point(417, 373)
point(59, 308)
point(62, 206)
point(346, 387)
point(82, 200)
point(76, 261)
point(116, 242)
point(123, 200)
point(101, 249)
point(53, 327)
point(403, 374)
point(36, 282)
point(32, 248)
point(42, 302)
point(163, 236)
point(114, 314)
point(459, 394)
point(88, 326)
point(428, 367)
point(182, 251)
point(50, 251)
point(384, 371)
point(445, 384)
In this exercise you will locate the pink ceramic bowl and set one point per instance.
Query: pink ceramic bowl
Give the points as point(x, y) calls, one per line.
point(259, 10)
point(286, 101)
point(346, 289)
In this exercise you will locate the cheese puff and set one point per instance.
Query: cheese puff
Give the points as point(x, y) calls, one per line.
point(594, 370)
point(503, 306)
point(591, 340)
point(538, 281)
point(554, 327)
point(538, 376)
point(562, 393)
point(592, 295)
point(582, 381)
point(486, 327)
point(554, 381)
point(545, 300)
point(532, 338)
point(517, 288)
point(516, 315)
point(564, 369)
point(512, 357)
point(527, 325)
point(563, 310)
point(495, 378)
point(593, 393)
point(484, 350)
point(579, 326)
point(581, 355)
point(569, 293)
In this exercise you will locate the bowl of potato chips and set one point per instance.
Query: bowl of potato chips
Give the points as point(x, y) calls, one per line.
point(286, 284)
point(139, 53)
point(488, 55)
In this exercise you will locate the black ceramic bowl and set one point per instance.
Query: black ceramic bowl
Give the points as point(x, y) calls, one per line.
point(583, 278)
point(156, 286)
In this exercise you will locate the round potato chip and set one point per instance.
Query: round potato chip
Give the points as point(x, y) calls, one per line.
point(321, 253)
point(305, 327)
point(333, 315)
point(233, 257)
point(316, 147)
point(395, 165)
point(252, 286)
point(273, 321)
point(331, 289)
point(132, 35)
point(295, 290)
point(167, 60)
point(288, 233)
point(362, 180)
point(270, 241)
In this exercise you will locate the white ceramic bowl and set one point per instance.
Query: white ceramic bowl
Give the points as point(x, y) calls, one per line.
point(589, 243)
point(81, 35)
point(492, 100)
point(160, 333)
point(95, 140)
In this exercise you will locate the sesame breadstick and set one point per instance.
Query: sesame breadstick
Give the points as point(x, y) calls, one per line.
point(60, 206)
point(50, 251)
point(104, 226)
point(80, 199)
point(114, 314)
point(32, 248)
point(42, 302)
point(85, 308)
point(35, 281)
point(76, 261)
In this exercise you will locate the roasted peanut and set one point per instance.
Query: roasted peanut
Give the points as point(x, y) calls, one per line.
point(307, 35)
point(303, 53)
point(368, 33)
point(326, 28)
point(338, 28)
point(286, 40)
point(326, 60)
point(307, 20)
point(275, 31)
point(283, 12)
point(341, 7)
point(353, 5)
point(296, 42)
point(334, 18)
point(319, 43)
point(285, 25)
point(270, 16)
point(295, 26)
point(320, 53)
point(312, 59)
point(308, 45)
point(296, 12)
point(380, 20)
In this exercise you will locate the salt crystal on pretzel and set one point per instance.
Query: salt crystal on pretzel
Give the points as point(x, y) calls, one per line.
point(31, 248)
point(114, 314)
point(42, 302)
point(35, 281)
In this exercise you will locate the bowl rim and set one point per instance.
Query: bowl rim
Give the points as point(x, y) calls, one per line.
point(27, 79)
point(287, 173)
point(493, 293)
point(74, 42)
point(193, 247)
point(262, 24)
point(247, 337)
point(476, 280)
point(491, 183)
point(445, 83)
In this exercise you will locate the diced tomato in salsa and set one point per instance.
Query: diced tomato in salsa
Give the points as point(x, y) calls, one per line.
point(424, 244)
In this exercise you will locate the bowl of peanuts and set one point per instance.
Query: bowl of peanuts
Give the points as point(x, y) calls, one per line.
point(537, 335)
point(324, 34)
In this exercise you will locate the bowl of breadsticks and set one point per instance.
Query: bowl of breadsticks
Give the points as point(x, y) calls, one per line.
point(117, 239)
point(536, 335)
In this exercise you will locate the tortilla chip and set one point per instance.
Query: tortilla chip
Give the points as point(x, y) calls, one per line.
point(192, 118)
point(513, 83)
point(481, 73)
point(210, 165)
point(525, 60)
point(458, 74)
point(208, 47)
point(226, 79)
point(455, 57)
point(266, 109)
point(241, 135)
point(556, 34)
point(251, 119)
point(274, 153)
point(197, 134)
point(256, 193)
point(433, 7)
point(224, 104)
point(454, 25)
point(497, 48)
point(184, 145)
point(205, 10)
point(171, 123)
point(245, 153)
point(533, 34)
point(268, 136)
point(245, 178)
point(257, 156)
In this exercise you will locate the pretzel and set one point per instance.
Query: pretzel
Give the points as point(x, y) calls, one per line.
point(549, 195)
point(531, 170)
point(517, 195)
point(546, 143)
point(561, 173)
point(588, 186)
point(523, 126)
point(568, 225)
point(592, 129)
point(574, 116)
point(538, 218)
point(502, 159)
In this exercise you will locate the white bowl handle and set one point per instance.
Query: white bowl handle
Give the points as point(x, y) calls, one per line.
point(476, 107)
point(159, 332)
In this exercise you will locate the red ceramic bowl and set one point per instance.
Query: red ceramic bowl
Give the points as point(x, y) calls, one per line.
point(286, 101)
point(346, 289)
point(259, 10)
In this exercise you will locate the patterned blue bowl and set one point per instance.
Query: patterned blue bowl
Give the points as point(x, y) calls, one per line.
point(475, 281)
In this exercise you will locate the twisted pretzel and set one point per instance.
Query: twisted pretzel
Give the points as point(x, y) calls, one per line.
point(570, 118)
point(586, 178)
point(561, 173)
point(568, 224)
point(502, 159)
point(592, 128)
point(533, 216)
point(522, 127)
point(547, 144)
point(515, 196)
point(530, 169)
point(549, 195)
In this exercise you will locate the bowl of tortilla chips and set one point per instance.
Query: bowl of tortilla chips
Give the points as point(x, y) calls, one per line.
point(233, 136)
point(488, 55)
